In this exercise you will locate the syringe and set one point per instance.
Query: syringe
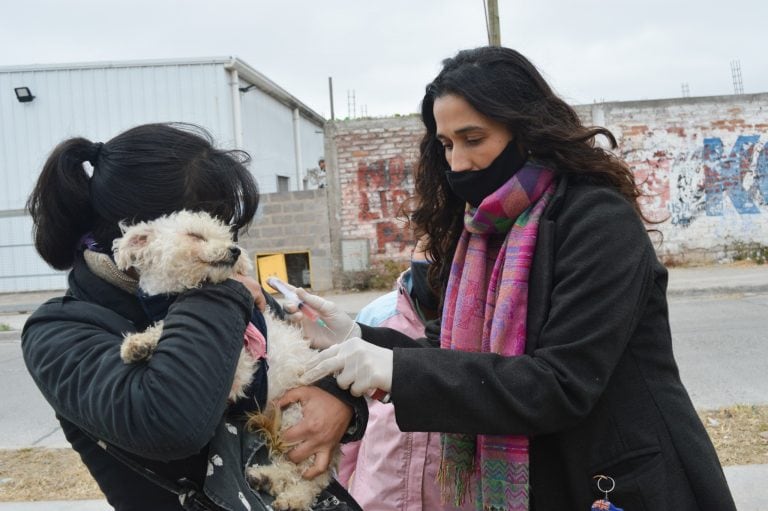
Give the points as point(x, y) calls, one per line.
point(291, 296)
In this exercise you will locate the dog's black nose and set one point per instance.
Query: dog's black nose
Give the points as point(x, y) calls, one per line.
point(234, 252)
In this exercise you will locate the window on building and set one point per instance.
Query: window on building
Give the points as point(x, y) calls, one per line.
point(283, 184)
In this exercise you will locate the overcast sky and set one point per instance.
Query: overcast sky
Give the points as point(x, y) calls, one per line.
point(386, 51)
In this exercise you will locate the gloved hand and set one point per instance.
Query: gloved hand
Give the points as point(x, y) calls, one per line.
point(359, 365)
point(336, 325)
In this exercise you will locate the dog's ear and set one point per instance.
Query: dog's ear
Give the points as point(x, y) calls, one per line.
point(128, 249)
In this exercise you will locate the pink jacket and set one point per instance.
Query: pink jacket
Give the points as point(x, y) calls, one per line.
point(389, 470)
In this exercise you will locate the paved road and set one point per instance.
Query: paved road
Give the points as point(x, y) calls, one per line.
point(721, 345)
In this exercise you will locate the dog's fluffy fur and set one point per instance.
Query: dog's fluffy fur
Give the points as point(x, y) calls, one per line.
point(288, 355)
point(181, 251)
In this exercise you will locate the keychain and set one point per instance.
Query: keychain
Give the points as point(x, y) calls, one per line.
point(604, 504)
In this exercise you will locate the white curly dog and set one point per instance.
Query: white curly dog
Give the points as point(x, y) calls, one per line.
point(181, 251)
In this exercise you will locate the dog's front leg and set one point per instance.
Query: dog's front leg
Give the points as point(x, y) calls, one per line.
point(140, 345)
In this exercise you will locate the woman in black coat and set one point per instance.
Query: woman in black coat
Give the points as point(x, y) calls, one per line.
point(557, 372)
point(156, 435)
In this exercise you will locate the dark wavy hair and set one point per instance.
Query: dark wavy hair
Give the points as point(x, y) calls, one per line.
point(503, 85)
point(143, 173)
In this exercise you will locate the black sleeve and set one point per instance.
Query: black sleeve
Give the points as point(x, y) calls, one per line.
point(359, 408)
point(602, 275)
point(165, 408)
point(389, 338)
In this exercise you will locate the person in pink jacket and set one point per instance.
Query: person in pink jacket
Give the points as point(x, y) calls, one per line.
point(389, 470)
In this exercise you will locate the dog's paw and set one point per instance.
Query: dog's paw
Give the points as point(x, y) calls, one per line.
point(135, 352)
point(141, 345)
point(259, 481)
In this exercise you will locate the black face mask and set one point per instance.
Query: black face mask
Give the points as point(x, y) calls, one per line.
point(475, 185)
point(420, 290)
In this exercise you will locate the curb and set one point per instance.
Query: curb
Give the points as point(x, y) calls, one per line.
point(717, 291)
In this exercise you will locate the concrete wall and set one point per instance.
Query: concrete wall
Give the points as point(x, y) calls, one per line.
point(702, 161)
point(294, 222)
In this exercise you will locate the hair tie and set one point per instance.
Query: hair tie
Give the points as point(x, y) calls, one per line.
point(95, 152)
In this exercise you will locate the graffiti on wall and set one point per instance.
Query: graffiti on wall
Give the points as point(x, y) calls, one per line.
point(702, 180)
point(383, 186)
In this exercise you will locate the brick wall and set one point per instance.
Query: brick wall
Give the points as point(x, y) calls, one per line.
point(295, 222)
point(702, 161)
point(372, 162)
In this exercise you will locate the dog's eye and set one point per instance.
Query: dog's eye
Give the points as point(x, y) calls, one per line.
point(196, 236)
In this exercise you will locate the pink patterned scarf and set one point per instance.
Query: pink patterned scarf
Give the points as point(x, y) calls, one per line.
point(485, 311)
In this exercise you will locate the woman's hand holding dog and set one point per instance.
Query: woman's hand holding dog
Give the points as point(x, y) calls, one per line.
point(336, 325)
point(254, 288)
point(326, 420)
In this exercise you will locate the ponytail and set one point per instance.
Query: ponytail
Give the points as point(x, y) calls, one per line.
point(60, 202)
point(143, 173)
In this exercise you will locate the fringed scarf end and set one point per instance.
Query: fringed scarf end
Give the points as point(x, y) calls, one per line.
point(454, 482)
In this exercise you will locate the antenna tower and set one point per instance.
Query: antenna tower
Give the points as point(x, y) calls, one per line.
point(738, 85)
point(351, 107)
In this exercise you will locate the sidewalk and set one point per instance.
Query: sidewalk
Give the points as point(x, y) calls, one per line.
point(747, 482)
point(716, 279)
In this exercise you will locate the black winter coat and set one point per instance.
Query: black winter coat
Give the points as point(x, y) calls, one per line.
point(598, 391)
point(164, 413)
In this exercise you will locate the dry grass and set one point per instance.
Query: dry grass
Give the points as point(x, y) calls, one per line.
point(740, 435)
point(45, 474)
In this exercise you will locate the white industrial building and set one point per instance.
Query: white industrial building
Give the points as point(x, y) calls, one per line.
point(40, 105)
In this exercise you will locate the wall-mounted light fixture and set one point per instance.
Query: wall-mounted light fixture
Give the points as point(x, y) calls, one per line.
point(23, 94)
point(246, 89)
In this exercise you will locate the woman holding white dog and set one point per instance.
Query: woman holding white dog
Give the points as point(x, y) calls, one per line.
point(556, 382)
point(144, 430)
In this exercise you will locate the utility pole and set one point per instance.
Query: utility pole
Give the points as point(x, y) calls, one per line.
point(330, 92)
point(492, 21)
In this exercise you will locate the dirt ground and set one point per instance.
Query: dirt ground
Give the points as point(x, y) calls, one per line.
point(740, 435)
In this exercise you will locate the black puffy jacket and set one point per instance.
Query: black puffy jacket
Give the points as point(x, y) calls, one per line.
point(163, 413)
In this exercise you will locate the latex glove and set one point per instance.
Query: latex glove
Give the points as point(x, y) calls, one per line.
point(336, 324)
point(325, 420)
point(358, 365)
